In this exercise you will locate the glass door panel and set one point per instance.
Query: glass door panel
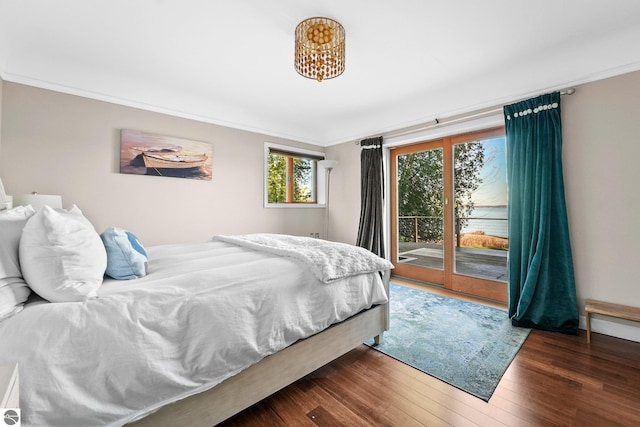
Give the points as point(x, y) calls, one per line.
point(419, 226)
point(480, 210)
point(420, 209)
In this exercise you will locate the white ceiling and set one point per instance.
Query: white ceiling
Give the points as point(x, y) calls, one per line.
point(231, 62)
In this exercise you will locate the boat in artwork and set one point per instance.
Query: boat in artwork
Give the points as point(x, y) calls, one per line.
point(163, 160)
point(157, 148)
point(169, 157)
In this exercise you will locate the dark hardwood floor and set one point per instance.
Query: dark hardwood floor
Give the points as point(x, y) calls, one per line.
point(555, 380)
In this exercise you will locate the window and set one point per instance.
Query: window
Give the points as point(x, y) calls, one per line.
point(291, 177)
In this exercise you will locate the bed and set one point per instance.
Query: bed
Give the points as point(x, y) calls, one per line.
point(212, 328)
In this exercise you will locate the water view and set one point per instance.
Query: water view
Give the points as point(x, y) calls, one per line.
point(492, 220)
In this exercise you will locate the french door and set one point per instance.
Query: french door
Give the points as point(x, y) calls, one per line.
point(449, 213)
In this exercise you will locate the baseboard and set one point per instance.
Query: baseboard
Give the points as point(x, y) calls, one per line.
point(613, 327)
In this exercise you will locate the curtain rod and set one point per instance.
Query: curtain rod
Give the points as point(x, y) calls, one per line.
point(459, 118)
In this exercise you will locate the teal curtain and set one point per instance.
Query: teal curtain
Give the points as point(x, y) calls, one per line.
point(541, 280)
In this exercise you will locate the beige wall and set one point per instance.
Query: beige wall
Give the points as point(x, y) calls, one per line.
point(601, 153)
point(69, 145)
point(344, 207)
point(601, 136)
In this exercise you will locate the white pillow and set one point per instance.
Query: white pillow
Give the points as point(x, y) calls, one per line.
point(13, 290)
point(62, 256)
point(12, 297)
point(12, 222)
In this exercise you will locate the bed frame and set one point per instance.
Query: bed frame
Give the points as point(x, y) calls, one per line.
point(273, 372)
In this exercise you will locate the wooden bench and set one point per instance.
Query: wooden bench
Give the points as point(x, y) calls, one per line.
point(609, 309)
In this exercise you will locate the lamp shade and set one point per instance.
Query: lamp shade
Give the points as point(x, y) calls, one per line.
point(328, 164)
point(38, 200)
point(5, 201)
point(7, 204)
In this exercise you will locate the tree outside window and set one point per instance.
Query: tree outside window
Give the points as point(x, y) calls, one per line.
point(291, 178)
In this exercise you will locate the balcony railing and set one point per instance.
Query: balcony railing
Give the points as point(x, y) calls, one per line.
point(430, 229)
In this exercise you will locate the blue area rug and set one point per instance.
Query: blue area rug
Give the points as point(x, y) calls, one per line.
point(467, 345)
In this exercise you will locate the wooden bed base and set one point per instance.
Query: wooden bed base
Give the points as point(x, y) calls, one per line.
point(273, 373)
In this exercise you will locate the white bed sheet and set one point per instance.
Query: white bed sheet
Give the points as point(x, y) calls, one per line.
point(204, 312)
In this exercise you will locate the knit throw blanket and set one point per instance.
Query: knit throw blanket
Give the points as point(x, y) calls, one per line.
point(328, 261)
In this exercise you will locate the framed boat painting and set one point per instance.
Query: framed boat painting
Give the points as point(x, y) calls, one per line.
point(143, 153)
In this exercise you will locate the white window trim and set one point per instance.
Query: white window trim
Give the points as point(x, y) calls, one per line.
point(321, 195)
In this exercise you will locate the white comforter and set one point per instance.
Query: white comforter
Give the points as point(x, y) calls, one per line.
point(327, 260)
point(204, 312)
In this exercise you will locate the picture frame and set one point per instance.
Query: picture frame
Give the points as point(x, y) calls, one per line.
point(144, 153)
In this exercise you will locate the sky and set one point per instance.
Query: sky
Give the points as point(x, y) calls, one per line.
point(493, 190)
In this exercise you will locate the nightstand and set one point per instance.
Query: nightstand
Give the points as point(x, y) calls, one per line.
point(9, 393)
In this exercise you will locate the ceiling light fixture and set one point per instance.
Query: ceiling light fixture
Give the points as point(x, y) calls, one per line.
point(319, 48)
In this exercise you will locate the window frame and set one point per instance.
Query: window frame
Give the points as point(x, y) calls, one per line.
point(298, 152)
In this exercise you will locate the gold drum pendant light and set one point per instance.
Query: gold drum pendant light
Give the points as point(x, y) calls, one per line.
point(319, 48)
